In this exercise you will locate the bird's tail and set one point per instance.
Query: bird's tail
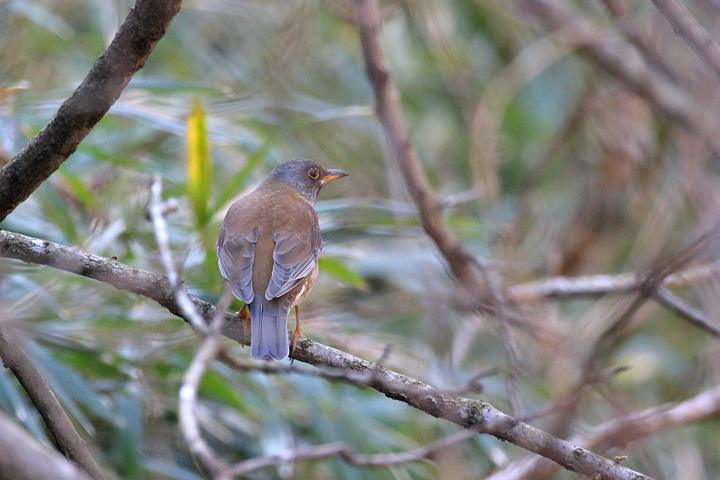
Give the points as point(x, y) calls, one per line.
point(269, 339)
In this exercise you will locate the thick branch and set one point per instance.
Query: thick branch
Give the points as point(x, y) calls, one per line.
point(61, 428)
point(462, 411)
point(24, 458)
point(144, 26)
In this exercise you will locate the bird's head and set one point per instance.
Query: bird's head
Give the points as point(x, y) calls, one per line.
point(306, 176)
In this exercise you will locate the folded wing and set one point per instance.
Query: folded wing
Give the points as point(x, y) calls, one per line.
point(294, 258)
point(235, 260)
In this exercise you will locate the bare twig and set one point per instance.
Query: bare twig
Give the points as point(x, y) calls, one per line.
point(460, 410)
point(24, 458)
point(621, 61)
point(685, 25)
point(640, 41)
point(624, 430)
point(61, 428)
point(189, 424)
point(340, 450)
point(156, 209)
point(674, 303)
point(208, 349)
point(595, 285)
point(142, 29)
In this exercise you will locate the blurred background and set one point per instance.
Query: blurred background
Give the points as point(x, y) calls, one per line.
point(545, 166)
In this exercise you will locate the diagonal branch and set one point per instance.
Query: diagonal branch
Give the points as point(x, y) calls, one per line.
point(142, 29)
point(61, 428)
point(24, 458)
point(463, 411)
point(624, 64)
point(691, 31)
point(467, 269)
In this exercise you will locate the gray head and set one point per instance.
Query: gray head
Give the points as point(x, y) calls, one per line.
point(306, 176)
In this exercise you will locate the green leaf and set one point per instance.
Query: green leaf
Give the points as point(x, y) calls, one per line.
point(79, 190)
point(238, 180)
point(337, 269)
point(199, 163)
point(217, 388)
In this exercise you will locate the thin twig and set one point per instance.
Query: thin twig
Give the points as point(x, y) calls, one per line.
point(340, 450)
point(640, 41)
point(206, 353)
point(596, 285)
point(693, 315)
point(156, 209)
point(623, 62)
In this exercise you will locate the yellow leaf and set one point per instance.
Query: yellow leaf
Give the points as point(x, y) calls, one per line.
point(199, 163)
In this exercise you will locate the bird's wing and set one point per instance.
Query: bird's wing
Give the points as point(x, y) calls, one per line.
point(235, 259)
point(294, 258)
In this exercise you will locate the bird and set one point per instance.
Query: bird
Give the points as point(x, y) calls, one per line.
point(268, 248)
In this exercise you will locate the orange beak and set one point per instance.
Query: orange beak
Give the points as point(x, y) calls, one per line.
point(332, 174)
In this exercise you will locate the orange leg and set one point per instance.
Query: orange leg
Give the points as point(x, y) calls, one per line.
point(244, 315)
point(298, 332)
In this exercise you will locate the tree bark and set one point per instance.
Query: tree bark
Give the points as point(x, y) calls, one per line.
point(142, 29)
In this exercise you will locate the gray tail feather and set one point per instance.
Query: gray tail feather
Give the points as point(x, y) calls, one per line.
point(269, 339)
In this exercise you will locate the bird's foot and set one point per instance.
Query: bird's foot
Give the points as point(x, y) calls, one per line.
point(297, 334)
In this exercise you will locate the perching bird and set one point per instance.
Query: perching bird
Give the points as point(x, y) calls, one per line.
point(268, 250)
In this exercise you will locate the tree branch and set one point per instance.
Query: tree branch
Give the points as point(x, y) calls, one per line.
point(24, 458)
point(61, 428)
point(473, 275)
point(142, 29)
point(340, 450)
point(624, 430)
point(625, 65)
point(438, 403)
point(691, 31)
point(596, 285)
point(205, 354)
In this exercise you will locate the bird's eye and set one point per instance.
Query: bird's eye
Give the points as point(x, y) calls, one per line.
point(313, 172)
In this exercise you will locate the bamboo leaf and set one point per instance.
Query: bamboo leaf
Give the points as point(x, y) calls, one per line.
point(337, 268)
point(199, 163)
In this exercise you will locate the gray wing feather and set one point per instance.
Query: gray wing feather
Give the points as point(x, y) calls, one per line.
point(294, 258)
point(235, 260)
